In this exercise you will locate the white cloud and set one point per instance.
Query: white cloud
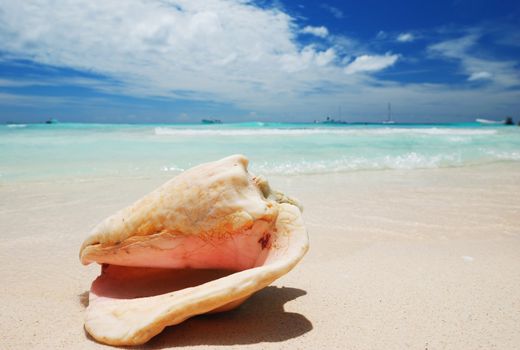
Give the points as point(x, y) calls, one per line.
point(225, 51)
point(405, 37)
point(15, 83)
point(321, 32)
point(325, 57)
point(336, 12)
point(231, 52)
point(480, 76)
point(500, 72)
point(454, 48)
point(306, 59)
point(381, 35)
point(367, 63)
point(43, 101)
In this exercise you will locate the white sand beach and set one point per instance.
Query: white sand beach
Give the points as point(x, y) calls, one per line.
point(422, 259)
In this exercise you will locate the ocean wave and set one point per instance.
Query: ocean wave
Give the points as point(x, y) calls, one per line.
point(407, 161)
point(165, 131)
point(16, 125)
point(172, 168)
point(503, 155)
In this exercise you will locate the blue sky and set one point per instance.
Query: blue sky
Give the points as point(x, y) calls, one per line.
point(180, 61)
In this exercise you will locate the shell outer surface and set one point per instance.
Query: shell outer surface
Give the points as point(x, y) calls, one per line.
point(163, 255)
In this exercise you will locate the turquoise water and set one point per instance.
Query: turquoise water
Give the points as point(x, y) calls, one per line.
point(41, 152)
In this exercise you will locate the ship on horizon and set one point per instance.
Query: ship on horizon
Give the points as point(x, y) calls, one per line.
point(211, 121)
point(389, 119)
point(506, 121)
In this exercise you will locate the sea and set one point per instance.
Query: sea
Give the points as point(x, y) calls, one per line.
point(40, 152)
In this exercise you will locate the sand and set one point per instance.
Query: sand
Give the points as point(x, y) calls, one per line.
point(422, 259)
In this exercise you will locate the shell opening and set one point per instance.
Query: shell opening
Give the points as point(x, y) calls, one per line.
point(166, 263)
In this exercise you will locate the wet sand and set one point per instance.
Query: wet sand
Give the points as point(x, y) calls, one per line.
point(422, 259)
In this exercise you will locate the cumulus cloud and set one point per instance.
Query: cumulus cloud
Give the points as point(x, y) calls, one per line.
point(367, 63)
point(307, 58)
point(405, 37)
point(219, 50)
point(325, 57)
point(225, 51)
point(480, 76)
point(321, 31)
point(231, 52)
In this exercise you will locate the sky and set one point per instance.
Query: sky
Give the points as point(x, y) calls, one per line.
point(180, 61)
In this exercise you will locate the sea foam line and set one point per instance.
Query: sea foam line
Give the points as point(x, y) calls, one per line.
point(406, 161)
point(164, 131)
point(16, 125)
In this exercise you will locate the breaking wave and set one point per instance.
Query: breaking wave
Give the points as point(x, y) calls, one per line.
point(283, 149)
point(166, 131)
point(13, 126)
point(408, 161)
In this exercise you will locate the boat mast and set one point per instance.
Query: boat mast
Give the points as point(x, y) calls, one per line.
point(389, 118)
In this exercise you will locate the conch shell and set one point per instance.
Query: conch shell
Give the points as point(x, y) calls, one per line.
point(203, 242)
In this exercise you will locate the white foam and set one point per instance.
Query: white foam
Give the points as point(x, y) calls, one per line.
point(467, 258)
point(162, 131)
point(16, 125)
point(459, 139)
point(504, 155)
point(411, 160)
point(172, 168)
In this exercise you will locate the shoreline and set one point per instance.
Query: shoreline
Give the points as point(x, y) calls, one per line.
point(425, 258)
point(165, 175)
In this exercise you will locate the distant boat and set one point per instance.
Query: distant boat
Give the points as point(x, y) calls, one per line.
point(51, 121)
point(389, 117)
point(329, 120)
point(489, 122)
point(211, 121)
